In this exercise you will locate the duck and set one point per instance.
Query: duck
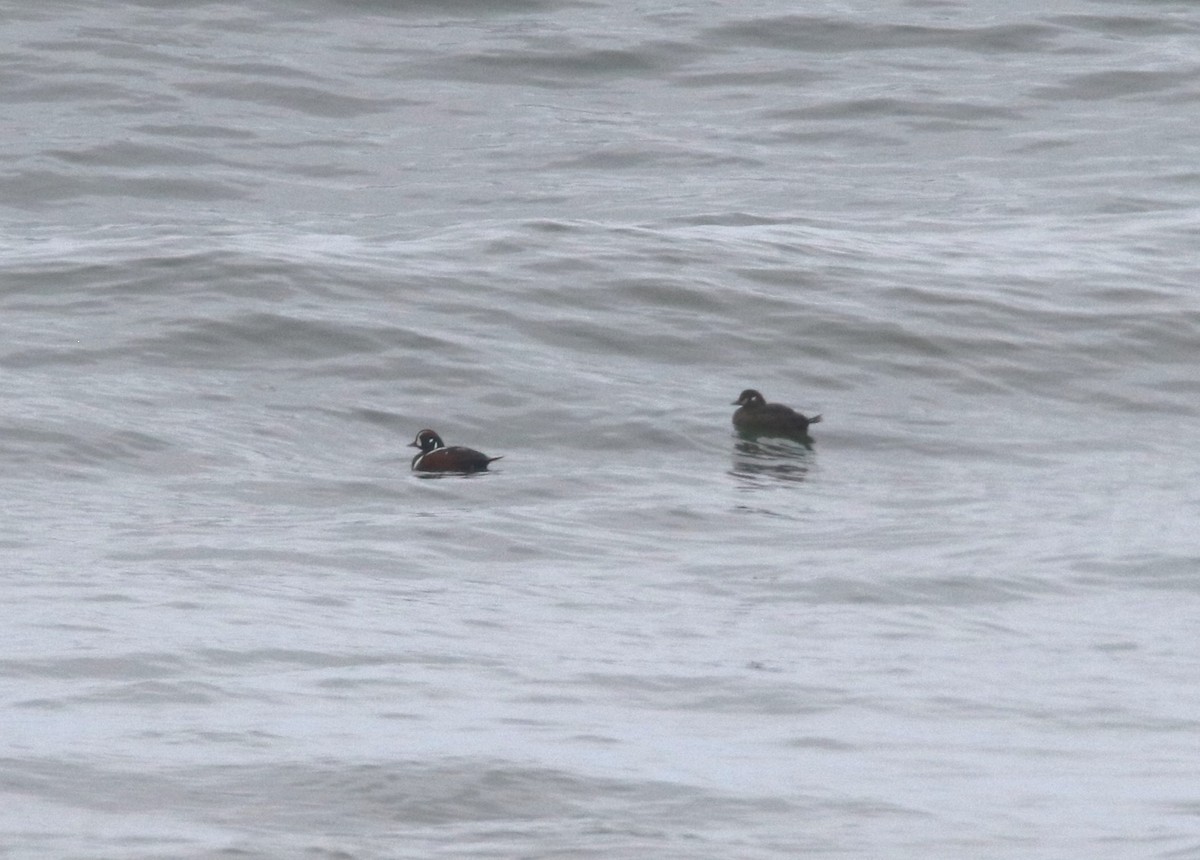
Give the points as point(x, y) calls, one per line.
point(759, 417)
point(434, 456)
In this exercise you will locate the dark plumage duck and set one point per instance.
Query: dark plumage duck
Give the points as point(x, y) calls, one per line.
point(436, 457)
point(759, 417)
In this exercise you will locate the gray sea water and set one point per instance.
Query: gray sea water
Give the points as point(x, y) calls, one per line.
point(247, 251)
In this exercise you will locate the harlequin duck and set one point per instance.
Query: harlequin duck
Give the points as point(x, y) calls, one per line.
point(436, 457)
point(769, 419)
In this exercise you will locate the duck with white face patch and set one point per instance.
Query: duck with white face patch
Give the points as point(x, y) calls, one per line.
point(434, 456)
point(757, 416)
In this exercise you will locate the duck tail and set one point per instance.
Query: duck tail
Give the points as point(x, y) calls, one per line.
point(816, 419)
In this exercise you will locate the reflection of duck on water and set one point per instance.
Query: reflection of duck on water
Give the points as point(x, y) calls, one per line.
point(783, 461)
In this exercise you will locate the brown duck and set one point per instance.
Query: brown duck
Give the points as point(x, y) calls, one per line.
point(758, 416)
point(434, 456)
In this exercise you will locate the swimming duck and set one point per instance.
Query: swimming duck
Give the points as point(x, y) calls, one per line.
point(756, 415)
point(434, 456)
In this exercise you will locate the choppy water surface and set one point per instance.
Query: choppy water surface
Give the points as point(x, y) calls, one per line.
point(247, 252)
